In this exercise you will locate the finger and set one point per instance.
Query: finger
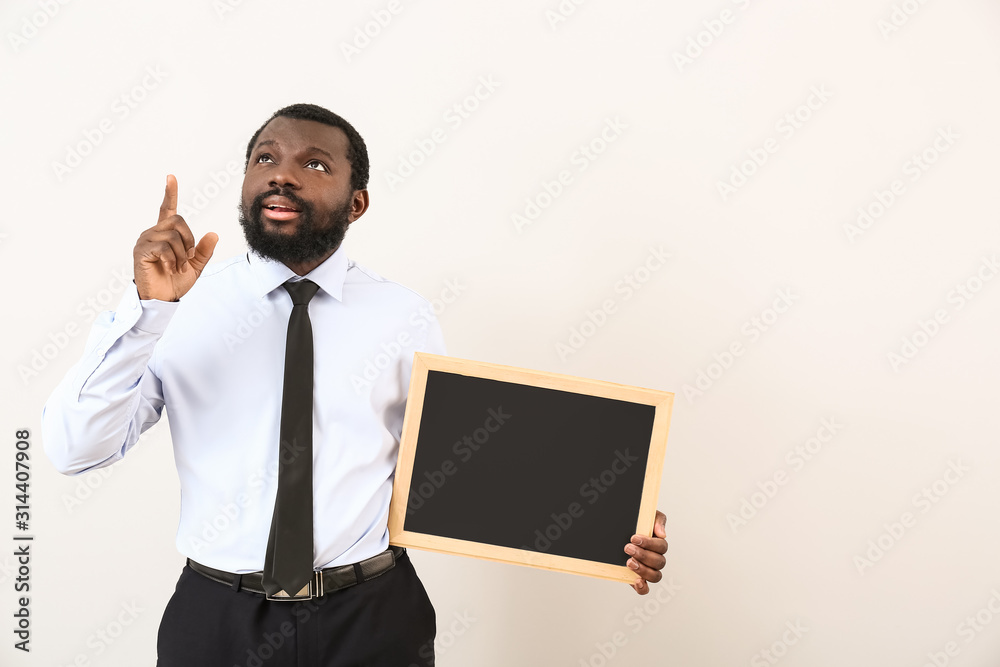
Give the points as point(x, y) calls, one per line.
point(180, 242)
point(166, 247)
point(640, 587)
point(661, 523)
point(652, 559)
point(159, 254)
point(657, 544)
point(169, 206)
point(176, 225)
point(647, 573)
point(204, 251)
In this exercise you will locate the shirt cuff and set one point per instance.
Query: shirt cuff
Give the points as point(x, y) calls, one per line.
point(156, 315)
point(150, 315)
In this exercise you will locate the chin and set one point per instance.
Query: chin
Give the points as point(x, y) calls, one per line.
point(278, 228)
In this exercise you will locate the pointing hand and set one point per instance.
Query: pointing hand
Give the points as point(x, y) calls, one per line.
point(166, 260)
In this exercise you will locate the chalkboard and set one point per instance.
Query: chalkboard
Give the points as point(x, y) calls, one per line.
point(527, 467)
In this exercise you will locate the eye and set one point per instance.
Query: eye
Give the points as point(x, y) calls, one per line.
point(264, 156)
point(319, 165)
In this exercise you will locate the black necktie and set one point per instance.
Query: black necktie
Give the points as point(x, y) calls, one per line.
point(288, 564)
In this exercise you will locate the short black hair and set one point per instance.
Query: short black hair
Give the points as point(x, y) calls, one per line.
point(357, 152)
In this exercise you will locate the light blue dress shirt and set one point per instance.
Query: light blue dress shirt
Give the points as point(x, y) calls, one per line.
point(215, 361)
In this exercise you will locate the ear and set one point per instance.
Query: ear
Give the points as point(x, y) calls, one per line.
point(359, 204)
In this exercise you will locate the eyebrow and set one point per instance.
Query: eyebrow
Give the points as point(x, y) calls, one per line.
point(314, 149)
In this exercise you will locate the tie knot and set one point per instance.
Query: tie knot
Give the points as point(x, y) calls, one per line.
point(301, 291)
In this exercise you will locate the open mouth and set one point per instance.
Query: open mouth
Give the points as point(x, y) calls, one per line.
point(279, 208)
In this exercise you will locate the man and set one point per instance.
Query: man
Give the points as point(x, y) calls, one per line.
point(220, 348)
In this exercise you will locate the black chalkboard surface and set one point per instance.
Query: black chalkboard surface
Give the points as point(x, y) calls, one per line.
point(527, 467)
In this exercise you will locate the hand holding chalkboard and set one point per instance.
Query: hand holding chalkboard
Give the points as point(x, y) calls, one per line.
point(647, 554)
point(532, 468)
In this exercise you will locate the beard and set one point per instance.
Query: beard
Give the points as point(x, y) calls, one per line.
point(309, 242)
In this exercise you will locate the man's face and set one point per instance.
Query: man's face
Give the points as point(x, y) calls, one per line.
point(297, 200)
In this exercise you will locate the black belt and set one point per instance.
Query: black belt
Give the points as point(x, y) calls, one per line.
point(323, 581)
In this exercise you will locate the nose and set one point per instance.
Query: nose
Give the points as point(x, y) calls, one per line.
point(284, 176)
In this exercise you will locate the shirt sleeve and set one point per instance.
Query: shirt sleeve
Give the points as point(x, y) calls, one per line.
point(430, 340)
point(433, 342)
point(105, 402)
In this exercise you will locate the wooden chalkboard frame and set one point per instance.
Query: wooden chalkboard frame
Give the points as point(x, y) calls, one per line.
point(423, 363)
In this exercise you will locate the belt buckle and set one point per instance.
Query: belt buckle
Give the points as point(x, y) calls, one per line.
point(312, 589)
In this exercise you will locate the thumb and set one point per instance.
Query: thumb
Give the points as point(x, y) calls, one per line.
point(204, 250)
point(660, 525)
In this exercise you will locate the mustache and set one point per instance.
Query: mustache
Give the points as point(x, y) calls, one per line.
point(301, 204)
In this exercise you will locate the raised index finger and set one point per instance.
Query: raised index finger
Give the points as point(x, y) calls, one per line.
point(169, 205)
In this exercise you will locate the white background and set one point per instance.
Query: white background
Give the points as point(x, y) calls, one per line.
point(817, 552)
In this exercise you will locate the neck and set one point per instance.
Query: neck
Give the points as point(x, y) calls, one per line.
point(302, 268)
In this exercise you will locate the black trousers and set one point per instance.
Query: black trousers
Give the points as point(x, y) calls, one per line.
point(386, 622)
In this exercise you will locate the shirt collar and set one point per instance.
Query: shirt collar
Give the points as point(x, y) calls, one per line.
point(270, 274)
